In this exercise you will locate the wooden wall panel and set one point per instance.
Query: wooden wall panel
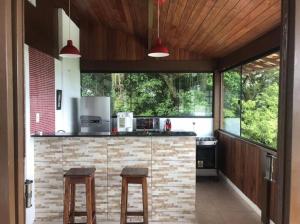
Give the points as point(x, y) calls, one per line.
point(97, 36)
point(242, 162)
point(98, 42)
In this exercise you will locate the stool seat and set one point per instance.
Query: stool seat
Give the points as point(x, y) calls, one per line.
point(134, 172)
point(80, 172)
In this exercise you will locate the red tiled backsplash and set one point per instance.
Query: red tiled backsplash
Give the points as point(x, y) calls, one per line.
point(42, 91)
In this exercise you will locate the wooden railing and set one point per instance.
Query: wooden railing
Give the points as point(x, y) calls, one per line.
point(243, 163)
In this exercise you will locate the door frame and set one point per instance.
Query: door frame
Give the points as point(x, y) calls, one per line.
point(12, 131)
point(289, 118)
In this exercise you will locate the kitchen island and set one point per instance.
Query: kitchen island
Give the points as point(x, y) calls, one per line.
point(170, 158)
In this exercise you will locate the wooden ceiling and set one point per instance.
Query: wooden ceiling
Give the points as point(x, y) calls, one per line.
point(130, 16)
point(210, 28)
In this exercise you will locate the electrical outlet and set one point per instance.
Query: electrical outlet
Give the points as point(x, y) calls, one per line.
point(37, 118)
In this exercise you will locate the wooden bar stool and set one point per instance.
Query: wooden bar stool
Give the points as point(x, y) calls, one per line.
point(79, 176)
point(134, 176)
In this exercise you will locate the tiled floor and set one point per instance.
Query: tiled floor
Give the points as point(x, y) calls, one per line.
point(217, 203)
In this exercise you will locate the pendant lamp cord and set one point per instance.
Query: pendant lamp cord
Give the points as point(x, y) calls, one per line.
point(69, 19)
point(158, 14)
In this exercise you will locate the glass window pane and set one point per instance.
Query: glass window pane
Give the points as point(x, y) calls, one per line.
point(93, 84)
point(260, 91)
point(154, 94)
point(232, 95)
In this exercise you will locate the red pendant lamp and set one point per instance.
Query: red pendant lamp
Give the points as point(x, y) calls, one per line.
point(159, 50)
point(69, 51)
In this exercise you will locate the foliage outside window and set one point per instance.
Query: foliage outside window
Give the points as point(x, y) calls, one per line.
point(251, 94)
point(232, 96)
point(153, 94)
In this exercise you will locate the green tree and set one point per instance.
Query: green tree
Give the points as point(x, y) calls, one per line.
point(252, 97)
point(154, 94)
point(232, 93)
point(260, 106)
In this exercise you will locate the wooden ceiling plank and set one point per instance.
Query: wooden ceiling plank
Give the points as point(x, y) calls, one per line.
point(201, 36)
point(246, 39)
point(101, 10)
point(223, 24)
point(181, 6)
point(207, 23)
point(242, 9)
point(150, 23)
point(164, 9)
point(140, 15)
point(117, 16)
point(265, 10)
point(250, 35)
point(257, 28)
point(232, 48)
point(195, 21)
point(85, 9)
point(185, 17)
point(134, 18)
point(127, 15)
point(167, 28)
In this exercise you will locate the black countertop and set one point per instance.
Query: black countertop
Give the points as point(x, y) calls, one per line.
point(118, 134)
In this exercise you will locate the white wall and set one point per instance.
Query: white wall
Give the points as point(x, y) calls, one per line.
point(67, 77)
point(201, 126)
point(29, 159)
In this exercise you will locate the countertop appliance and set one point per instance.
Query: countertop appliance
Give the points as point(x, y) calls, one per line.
point(95, 115)
point(148, 124)
point(125, 121)
point(206, 156)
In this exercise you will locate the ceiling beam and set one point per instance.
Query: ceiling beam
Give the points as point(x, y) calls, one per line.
point(148, 66)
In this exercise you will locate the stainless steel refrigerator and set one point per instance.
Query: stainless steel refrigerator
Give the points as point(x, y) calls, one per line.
point(95, 115)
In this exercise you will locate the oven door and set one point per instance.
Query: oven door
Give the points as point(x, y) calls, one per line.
point(206, 157)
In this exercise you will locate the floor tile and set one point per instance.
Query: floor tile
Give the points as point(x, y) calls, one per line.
point(218, 203)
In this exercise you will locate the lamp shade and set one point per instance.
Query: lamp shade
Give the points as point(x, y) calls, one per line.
point(159, 50)
point(69, 51)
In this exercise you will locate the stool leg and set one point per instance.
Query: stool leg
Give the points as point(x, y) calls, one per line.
point(93, 200)
point(73, 196)
point(67, 201)
point(145, 200)
point(89, 209)
point(124, 201)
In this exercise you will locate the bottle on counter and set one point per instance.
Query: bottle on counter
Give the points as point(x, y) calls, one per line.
point(168, 125)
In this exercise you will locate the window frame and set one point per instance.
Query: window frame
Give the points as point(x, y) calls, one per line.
point(179, 116)
point(240, 67)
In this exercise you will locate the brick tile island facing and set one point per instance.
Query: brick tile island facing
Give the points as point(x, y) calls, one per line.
point(171, 181)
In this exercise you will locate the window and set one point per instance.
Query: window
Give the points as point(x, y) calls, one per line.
point(232, 96)
point(251, 94)
point(153, 94)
